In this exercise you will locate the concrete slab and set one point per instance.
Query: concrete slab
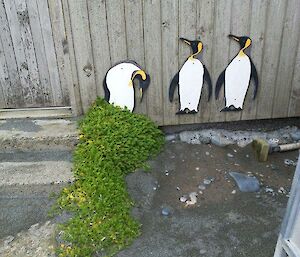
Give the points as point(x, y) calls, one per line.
point(30, 134)
point(30, 173)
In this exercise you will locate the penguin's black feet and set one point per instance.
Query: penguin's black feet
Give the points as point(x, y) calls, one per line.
point(231, 108)
point(186, 111)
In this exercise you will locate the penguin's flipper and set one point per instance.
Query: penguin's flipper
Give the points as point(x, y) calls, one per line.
point(255, 78)
point(220, 82)
point(173, 85)
point(208, 81)
point(106, 91)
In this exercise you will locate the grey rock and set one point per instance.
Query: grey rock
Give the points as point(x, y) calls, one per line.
point(202, 187)
point(166, 211)
point(289, 162)
point(230, 155)
point(295, 135)
point(8, 240)
point(203, 251)
point(171, 137)
point(221, 141)
point(244, 182)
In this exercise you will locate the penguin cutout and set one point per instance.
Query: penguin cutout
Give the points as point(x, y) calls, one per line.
point(119, 87)
point(236, 77)
point(189, 79)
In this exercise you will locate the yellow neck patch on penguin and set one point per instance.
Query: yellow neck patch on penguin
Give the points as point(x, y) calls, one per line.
point(200, 46)
point(247, 44)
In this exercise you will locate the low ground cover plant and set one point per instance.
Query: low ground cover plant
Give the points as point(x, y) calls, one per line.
point(113, 143)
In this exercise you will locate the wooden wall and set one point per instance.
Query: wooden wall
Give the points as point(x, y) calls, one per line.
point(32, 65)
point(92, 35)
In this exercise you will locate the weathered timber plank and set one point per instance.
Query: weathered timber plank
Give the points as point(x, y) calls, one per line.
point(153, 59)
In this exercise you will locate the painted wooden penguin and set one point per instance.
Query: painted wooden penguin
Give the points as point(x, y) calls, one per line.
point(119, 87)
point(237, 76)
point(190, 80)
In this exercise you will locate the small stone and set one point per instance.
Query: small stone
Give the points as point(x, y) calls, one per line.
point(202, 187)
point(281, 190)
point(183, 199)
point(170, 137)
point(289, 162)
point(295, 135)
point(230, 155)
point(269, 190)
point(203, 251)
point(8, 240)
point(193, 199)
point(154, 188)
point(247, 156)
point(233, 192)
point(197, 168)
point(165, 211)
point(207, 153)
point(244, 182)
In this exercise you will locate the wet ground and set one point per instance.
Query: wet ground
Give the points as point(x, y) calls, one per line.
point(224, 221)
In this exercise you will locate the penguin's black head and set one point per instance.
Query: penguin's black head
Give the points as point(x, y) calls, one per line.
point(196, 45)
point(243, 41)
point(144, 80)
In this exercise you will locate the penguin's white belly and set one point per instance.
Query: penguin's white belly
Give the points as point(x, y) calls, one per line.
point(117, 81)
point(190, 84)
point(237, 77)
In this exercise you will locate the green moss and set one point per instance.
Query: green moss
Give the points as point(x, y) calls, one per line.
point(113, 142)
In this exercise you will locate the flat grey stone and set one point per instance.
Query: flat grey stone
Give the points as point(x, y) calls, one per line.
point(244, 182)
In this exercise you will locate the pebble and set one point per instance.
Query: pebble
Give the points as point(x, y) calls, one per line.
point(197, 168)
point(230, 155)
point(269, 190)
point(281, 190)
point(202, 187)
point(233, 192)
point(193, 199)
point(8, 240)
point(165, 211)
point(244, 182)
point(247, 156)
point(203, 251)
point(183, 199)
point(207, 153)
point(289, 162)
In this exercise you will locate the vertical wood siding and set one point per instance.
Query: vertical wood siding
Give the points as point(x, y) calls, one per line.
point(74, 43)
point(32, 66)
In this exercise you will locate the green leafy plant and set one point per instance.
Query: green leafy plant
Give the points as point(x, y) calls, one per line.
point(113, 142)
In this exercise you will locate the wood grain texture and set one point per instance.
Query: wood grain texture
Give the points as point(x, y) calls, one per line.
point(220, 53)
point(187, 29)
point(40, 51)
point(272, 46)
point(239, 26)
point(57, 91)
point(153, 58)
point(13, 95)
point(169, 27)
point(69, 52)
point(294, 105)
point(83, 51)
point(59, 39)
point(57, 52)
point(135, 42)
point(18, 47)
point(100, 44)
point(205, 32)
point(258, 15)
point(116, 30)
point(287, 59)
